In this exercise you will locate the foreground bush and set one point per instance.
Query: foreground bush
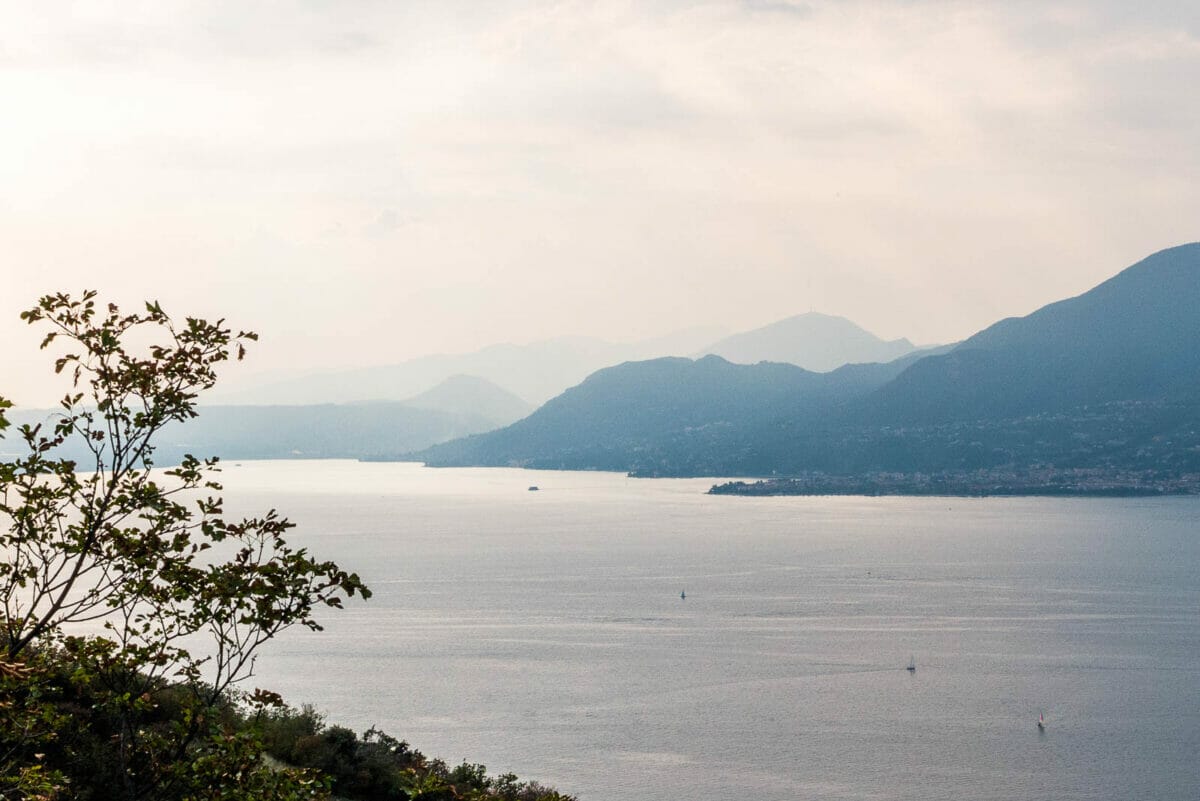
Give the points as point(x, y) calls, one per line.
point(378, 767)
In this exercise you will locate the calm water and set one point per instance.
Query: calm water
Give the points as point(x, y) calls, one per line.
point(543, 633)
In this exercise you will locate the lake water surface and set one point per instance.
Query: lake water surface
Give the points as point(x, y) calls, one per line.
point(543, 633)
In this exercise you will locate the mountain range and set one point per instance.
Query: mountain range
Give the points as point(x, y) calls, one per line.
point(534, 372)
point(1109, 379)
point(459, 406)
point(539, 371)
point(354, 413)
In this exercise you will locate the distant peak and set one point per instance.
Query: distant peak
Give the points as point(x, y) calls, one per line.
point(465, 379)
point(812, 340)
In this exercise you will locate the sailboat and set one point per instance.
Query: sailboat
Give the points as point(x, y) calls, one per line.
point(683, 595)
point(912, 665)
point(1041, 722)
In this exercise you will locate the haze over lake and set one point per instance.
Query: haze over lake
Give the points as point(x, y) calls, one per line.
point(544, 633)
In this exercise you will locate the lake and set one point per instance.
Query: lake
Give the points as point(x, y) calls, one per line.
point(543, 633)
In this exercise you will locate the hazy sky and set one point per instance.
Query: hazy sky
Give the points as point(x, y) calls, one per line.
point(363, 182)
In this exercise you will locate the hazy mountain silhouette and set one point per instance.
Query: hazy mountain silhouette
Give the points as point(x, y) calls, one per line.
point(533, 372)
point(541, 370)
point(459, 406)
point(472, 396)
point(1110, 377)
point(817, 342)
point(279, 432)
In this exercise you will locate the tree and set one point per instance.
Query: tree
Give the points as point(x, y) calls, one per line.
point(126, 597)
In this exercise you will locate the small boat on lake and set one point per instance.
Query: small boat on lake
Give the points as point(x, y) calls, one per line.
point(912, 665)
point(533, 488)
point(1041, 722)
point(683, 595)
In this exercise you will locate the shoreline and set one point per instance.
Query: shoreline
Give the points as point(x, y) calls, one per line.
point(985, 484)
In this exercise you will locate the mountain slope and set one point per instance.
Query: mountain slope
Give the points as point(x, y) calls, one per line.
point(1109, 379)
point(1134, 337)
point(816, 342)
point(655, 415)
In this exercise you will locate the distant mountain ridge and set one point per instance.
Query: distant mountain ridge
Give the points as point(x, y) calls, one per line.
point(457, 407)
point(534, 372)
point(816, 342)
point(1108, 379)
point(620, 408)
point(541, 370)
point(634, 416)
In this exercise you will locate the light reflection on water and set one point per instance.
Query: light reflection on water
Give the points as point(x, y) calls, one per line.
point(543, 633)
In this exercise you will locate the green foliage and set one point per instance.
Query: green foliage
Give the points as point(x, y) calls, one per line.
point(378, 767)
point(148, 556)
point(29, 725)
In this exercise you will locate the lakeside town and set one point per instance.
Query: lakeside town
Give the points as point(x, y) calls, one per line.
point(1044, 481)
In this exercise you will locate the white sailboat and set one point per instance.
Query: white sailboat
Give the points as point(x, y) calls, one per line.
point(1041, 722)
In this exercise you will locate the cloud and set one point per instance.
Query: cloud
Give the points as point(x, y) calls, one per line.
point(644, 165)
point(386, 222)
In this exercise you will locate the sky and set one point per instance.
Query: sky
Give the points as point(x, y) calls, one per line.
point(365, 182)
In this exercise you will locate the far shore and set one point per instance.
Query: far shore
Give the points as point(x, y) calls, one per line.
point(1080, 483)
